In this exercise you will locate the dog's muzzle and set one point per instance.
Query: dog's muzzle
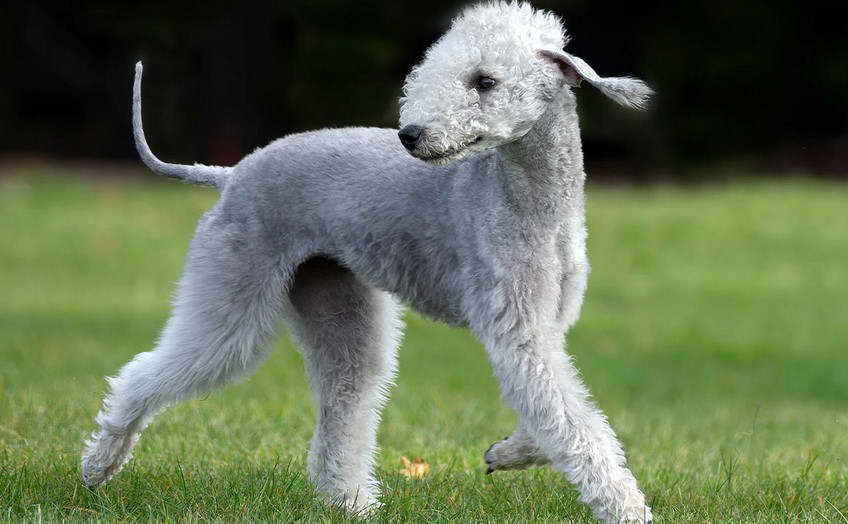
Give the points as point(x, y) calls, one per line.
point(410, 136)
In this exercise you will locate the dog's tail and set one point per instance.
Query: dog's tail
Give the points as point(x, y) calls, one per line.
point(215, 176)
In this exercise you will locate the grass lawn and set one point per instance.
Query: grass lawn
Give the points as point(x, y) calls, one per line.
point(713, 335)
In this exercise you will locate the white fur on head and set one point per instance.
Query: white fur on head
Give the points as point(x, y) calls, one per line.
point(629, 92)
point(496, 39)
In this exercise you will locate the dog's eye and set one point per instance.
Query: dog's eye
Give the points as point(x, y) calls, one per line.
point(484, 83)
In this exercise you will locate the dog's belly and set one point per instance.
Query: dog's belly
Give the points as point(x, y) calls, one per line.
point(427, 283)
point(442, 311)
point(431, 295)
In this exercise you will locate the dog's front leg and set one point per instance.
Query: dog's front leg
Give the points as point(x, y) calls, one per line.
point(517, 451)
point(538, 379)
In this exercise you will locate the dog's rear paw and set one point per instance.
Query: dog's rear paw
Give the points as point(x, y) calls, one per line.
point(630, 508)
point(637, 515)
point(513, 452)
point(105, 454)
point(364, 509)
point(361, 503)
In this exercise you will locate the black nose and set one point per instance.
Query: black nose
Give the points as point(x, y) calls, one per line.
point(409, 136)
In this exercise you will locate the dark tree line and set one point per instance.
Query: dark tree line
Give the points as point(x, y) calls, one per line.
point(759, 84)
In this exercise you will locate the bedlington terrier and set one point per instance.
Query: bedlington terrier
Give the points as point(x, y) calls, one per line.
point(472, 214)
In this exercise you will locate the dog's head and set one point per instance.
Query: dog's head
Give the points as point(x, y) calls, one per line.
point(487, 80)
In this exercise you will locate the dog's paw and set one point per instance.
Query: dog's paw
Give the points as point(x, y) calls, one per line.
point(513, 452)
point(105, 454)
point(636, 515)
point(361, 505)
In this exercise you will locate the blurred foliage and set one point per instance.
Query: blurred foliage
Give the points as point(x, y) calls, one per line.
point(758, 83)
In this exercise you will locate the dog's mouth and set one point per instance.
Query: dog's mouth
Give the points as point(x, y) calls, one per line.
point(450, 155)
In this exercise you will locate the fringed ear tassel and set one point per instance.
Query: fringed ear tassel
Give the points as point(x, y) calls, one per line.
point(629, 92)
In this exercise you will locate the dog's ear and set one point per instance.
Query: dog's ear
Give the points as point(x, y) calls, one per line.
point(629, 92)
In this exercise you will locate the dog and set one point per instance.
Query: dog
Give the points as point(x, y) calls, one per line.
point(473, 213)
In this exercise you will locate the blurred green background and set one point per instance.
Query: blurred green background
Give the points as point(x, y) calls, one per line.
point(714, 330)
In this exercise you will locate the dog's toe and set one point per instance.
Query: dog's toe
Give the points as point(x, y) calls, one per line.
point(512, 453)
point(491, 456)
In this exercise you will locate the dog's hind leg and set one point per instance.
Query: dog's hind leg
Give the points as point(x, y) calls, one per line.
point(227, 308)
point(349, 333)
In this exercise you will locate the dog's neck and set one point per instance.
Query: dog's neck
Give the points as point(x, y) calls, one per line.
point(543, 170)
